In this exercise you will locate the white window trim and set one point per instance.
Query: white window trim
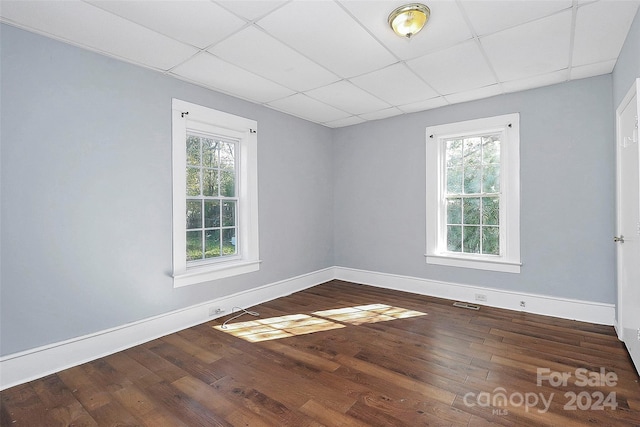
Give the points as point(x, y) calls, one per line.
point(245, 130)
point(509, 260)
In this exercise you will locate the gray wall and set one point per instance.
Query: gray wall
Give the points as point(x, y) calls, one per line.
point(627, 67)
point(567, 192)
point(86, 193)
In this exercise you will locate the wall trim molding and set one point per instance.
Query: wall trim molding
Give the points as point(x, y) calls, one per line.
point(28, 365)
point(566, 308)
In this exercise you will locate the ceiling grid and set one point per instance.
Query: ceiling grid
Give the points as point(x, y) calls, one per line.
point(337, 62)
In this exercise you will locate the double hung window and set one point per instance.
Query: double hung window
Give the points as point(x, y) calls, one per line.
point(215, 219)
point(212, 200)
point(473, 194)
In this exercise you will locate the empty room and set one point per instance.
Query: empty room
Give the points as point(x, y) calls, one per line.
point(319, 213)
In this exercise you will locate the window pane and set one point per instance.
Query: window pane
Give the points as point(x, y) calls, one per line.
point(209, 153)
point(491, 240)
point(227, 183)
point(194, 214)
point(229, 241)
point(490, 210)
point(471, 239)
point(472, 177)
point(193, 181)
point(212, 243)
point(471, 210)
point(454, 211)
point(454, 238)
point(210, 184)
point(472, 151)
point(454, 153)
point(454, 180)
point(194, 245)
point(193, 150)
point(491, 149)
point(211, 213)
point(491, 178)
point(228, 214)
point(227, 155)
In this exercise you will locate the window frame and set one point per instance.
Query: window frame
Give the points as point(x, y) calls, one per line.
point(436, 248)
point(187, 117)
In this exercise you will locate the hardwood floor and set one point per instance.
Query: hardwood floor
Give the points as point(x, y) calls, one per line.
point(341, 354)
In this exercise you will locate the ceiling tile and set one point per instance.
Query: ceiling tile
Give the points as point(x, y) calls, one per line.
point(531, 49)
point(324, 32)
point(301, 105)
point(348, 97)
point(353, 120)
point(471, 95)
point(601, 29)
point(428, 104)
point(252, 49)
point(454, 70)
point(536, 81)
point(88, 26)
point(381, 114)
point(207, 22)
point(490, 16)
point(395, 84)
point(591, 70)
point(207, 70)
point(445, 27)
point(250, 9)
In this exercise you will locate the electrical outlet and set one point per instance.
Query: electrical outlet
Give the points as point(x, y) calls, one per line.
point(481, 297)
point(215, 311)
point(522, 303)
point(638, 334)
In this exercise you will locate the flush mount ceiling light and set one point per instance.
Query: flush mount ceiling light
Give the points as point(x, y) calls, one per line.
point(408, 20)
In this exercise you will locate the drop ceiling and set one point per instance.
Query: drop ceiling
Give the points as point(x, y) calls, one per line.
point(338, 63)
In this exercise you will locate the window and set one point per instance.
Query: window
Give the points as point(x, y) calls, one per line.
point(473, 194)
point(211, 197)
point(215, 218)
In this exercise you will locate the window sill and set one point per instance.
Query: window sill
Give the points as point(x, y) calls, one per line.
point(200, 274)
point(478, 264)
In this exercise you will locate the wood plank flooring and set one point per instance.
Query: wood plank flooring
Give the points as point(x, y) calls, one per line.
point(342, 354)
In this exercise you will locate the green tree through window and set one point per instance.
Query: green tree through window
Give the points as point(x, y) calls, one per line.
point(211, 197)
point(473, 194)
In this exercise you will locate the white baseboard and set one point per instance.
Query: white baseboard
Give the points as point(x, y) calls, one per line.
point(586, 311)
point(36, 363)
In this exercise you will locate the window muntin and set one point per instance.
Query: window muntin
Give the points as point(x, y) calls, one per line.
point(473, 194)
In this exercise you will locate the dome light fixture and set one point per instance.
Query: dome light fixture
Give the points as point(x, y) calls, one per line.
point(408, 20)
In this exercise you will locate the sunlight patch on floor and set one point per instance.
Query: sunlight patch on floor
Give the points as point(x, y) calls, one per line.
point(274, 328)
point(371, 313)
